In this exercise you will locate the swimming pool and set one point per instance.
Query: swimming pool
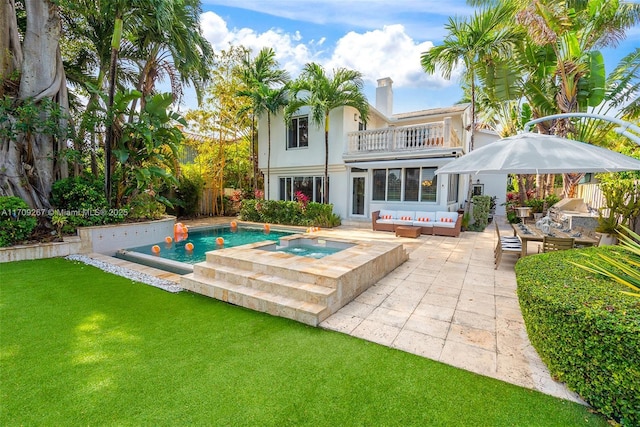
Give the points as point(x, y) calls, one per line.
point(204, 240)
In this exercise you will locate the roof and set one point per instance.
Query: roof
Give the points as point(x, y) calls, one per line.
point(458, 108)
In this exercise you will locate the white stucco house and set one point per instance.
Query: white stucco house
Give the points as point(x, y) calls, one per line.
point(387, 164)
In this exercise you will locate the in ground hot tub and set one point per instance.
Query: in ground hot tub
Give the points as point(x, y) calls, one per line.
point(307, 247)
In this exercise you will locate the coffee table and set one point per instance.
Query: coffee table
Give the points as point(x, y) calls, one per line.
point(408, 231)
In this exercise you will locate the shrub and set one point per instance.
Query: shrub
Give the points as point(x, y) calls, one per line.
point(16, 223)
point(82, 201)
point(481, 212)
point(188, 193)
point(289, 213)
point(145, 206)
point(585, 329)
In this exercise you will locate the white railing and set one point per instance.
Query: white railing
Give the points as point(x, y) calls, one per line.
point(407, 138)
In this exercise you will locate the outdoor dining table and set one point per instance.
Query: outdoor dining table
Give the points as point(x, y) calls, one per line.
point(528, 234)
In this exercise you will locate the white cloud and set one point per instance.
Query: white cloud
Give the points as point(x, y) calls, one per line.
point(386, 52)
point(389, 52)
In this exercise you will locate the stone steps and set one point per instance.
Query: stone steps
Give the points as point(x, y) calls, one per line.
point(257, 299)
point(269, 283)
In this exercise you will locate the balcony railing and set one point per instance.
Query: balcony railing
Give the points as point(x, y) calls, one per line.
point(403, 139)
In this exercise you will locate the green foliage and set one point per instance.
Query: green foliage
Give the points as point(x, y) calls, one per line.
point(537, 205)
point(147, 148)
point(481, 212)
point(622, 197)
point(59, 220)
point(145, 206)
point(16, 221)
point(585, 330)
point(624, 267)
point(289, 213)
point(188, 193)
point(29, 117)
point(83, 202)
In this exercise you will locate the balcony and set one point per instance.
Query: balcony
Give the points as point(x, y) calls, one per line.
point(406, 140)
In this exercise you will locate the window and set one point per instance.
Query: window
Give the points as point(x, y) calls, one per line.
point(310, 186)
point(429, 185)
point(379, 185)
point(411, 184)
point(298, 136)
point(408, 184)
point(394, 185)
point(454, 181)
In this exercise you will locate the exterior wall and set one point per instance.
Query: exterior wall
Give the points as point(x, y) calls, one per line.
point(309, 161)
point(494, 185)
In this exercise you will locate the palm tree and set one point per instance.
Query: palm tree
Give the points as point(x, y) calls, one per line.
point(557, 66)
point(469, 43)
point(267, 100)
point(322, 94)
point(260, 74)
point(170, 43)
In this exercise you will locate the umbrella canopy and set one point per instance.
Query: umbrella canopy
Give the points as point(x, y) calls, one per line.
point(534, 153)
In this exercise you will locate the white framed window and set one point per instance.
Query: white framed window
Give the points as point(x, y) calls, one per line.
point(298, 133)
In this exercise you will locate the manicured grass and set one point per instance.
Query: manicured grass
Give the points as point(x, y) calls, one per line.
point(82, 347)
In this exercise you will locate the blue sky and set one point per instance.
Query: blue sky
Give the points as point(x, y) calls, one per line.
point(376, 37)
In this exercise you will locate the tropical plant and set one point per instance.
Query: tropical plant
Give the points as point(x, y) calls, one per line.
point(558, 68)
point(264, 99)
point(263, 70)
point(471, 42)
point(322, 94)
point(59, 220)
point(625, 268)
point(146, 148)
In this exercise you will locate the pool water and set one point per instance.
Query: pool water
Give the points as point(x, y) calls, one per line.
point(204, 240)
point(316, 252)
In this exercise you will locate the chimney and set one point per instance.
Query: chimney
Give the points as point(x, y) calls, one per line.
point(384, 96)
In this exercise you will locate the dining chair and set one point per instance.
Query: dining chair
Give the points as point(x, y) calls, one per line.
point(506, 244)
point(550, 244)
point(506, 248)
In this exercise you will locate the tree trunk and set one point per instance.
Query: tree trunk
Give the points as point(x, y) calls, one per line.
point(268, 155)
point(31, 160)
point(325, 184)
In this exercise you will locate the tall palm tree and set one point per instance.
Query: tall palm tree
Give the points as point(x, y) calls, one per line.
point(471, 42)
point(258, 75)
point(557, 65)
point(170, 43)
point(322, 94)
point(271, 101)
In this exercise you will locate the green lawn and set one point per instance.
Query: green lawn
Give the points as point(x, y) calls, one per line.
point(82, 347)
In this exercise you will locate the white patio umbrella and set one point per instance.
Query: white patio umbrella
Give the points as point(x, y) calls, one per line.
point(534, 153)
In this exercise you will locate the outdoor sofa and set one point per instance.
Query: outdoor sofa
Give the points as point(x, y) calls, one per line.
point(439, 223)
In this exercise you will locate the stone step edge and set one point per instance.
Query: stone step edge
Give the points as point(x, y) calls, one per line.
point(267, 302)
point(322, 291)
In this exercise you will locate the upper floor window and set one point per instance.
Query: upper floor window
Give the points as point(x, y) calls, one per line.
point(298, 135)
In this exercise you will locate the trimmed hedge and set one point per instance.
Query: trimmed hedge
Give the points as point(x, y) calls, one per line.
point(584, 329)
point(289, 213)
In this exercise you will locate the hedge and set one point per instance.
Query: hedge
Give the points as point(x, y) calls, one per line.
point(584, 329)
point(289, 213)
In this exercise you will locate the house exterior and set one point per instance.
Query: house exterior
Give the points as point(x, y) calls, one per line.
point(387, 164)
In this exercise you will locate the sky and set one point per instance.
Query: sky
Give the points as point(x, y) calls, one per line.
point(379, 38)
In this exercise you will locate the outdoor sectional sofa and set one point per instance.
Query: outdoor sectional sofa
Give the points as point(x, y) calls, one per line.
point(438, 223)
